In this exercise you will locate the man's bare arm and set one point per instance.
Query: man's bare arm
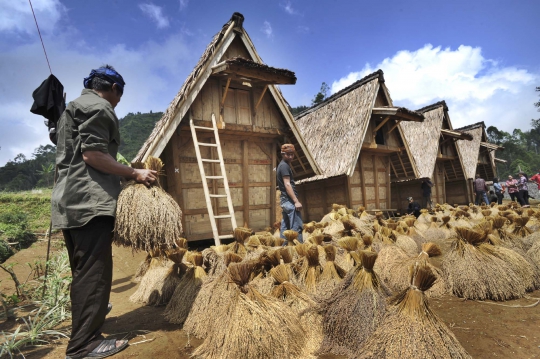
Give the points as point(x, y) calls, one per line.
point(290, 192)
point(104, 162)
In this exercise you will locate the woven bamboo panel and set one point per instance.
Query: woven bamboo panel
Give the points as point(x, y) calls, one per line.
point(336, 194)
point(371, 206)
point(260, 173)
point(197, 224)
point(234, 173)
point(382, 178)
point(243, 107)
point(455, 192)
point(368, 176)
point(231, 149)
point(355, 179)
point(226, 227)
point(256, 152)
point(194, 198)
point(356, 194)
point(315, 214)
point(382, 194)
point(370, 193)
point(259, 195)
point(236, 196)
point(314, 198)
point(259, 219)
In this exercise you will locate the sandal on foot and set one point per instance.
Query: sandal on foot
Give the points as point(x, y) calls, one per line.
point(106, 348)
point(109, 308)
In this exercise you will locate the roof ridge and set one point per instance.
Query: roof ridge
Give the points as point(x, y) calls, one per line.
point(470, 127)
point(433, 106)
point(377, 74)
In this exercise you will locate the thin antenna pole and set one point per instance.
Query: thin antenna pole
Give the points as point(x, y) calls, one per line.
point(39, 32)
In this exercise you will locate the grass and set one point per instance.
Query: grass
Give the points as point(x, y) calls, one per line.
point(36, 204)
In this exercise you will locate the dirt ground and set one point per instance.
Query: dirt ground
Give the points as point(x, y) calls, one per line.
point(485, 330)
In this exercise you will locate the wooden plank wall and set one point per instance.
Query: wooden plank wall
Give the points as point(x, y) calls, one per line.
point(370, 182)
point(317, 197)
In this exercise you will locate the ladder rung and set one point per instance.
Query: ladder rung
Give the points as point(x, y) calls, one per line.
point(210, 161)
point(225, 236)
point(218, 195)
point(223, 216)
point(214, 177)
point(203, 128)
point(207, 144)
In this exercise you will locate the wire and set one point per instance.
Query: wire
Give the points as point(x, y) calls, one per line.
point(39, 32)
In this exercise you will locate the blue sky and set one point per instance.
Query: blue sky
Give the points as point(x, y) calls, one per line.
point(479, 56)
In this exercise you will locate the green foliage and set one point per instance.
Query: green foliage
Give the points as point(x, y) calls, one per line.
point(5, 251)
point(134, 130)
point(321, 95)
point(14, 228)
point(296, 110)
point(23, 174)
point(121, 159)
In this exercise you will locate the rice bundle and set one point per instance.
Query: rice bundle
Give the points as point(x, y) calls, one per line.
point(411, 329)
point(301, 304)
point(406, 243)
point(331, 275)
point(354, 310)
point(147, 218)
point(520, 227)
point(143, 267)
point(290, 237)
point(186, 291)
point(310, 273)
point(240, 235)
point(252, 325)
point(472, 270)
point(149, 289)
point(349, 244)
point(534, 253)
point(435, 232)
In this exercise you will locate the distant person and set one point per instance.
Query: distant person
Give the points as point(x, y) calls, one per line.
point(290, 205)
point(480, 189)
point(492, 197)
point(523, 193)
point(84, 206)
point(413, 208)
point(512, 186)
point(536, 179)
point(499, 190)
point(426, 192)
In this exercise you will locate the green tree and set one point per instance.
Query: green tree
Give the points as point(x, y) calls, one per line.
point(47, 172)
point(321, 95)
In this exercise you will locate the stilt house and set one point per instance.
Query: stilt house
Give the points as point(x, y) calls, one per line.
point(434, 149)
point(478, 155)
point(355, 138)
point(220, 138)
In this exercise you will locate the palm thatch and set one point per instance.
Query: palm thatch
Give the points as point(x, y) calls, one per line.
point(252, 326)
point(354, 310)
point(411, 329)
point(473, 271)
point(147, 218)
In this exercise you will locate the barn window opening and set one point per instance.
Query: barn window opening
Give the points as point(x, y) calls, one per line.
point(379, 135)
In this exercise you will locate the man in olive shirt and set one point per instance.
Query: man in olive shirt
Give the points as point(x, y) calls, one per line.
point(84, 205)
point(290, 206)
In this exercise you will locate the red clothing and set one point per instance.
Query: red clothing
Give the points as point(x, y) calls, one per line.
point(536, 178)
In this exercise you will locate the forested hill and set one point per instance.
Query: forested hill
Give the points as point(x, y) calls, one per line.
point(134, 130)
point(22, 173)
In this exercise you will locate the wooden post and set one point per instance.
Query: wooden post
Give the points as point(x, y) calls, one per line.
point(175, 142)
point(376, 181)
point(363, 179)
point(273, 180)
point(245, 181)
point(261, 97)
point(348, 191)
point(388, 185)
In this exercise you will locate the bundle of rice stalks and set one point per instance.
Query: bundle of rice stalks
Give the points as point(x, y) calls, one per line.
point(310, 273)
point(354, 310)
point(286, 255)
point(446, 222)
point(406, 243)
point(472, 270)
point(149, 290)
point(379, 217)
point(331, 275)
point(534, 253)
point(253, 243)
point(349, 244)
point(278, 242)
point(309, 228)
point(290, 237)
point(502, 207)
point(435, 232)
point(417, 237)
point(486, 212)
point(147, 218)
point(213, 298)
point(411, 329)
point(301, 304)
point(143, 267)
point(240, 235)
point(391, 267)
point(186, 291)
point(252, 325)
point(520, 228)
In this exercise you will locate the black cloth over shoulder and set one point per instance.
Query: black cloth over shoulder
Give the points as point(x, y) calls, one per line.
point(49, 102)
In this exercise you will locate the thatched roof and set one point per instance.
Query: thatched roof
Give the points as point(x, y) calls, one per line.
point(334, 129)
point(469, 150)
point(249, 69)
point(179, 106)
point(423, 138)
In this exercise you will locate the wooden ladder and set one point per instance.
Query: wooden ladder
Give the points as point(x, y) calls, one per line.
point(201, 161)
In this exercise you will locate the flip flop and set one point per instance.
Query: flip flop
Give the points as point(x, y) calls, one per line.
point(106, 348)
point(109, 308)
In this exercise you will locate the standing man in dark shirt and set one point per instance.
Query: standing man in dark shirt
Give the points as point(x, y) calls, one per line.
point(84, 205)
point(480, 189)
point(290, 206)
point(426, 192)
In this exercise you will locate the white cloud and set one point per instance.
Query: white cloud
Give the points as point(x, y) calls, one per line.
point(16, 15)
point(183, 4)
point(155, 13)
point(475, 88)
point(267, 29)
point(287, 6)
point(153, 72)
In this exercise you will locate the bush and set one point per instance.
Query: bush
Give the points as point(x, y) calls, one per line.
point(5, 251)
point(14, 228)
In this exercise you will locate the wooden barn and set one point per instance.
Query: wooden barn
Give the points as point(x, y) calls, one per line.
point(236, 153)
point(478, 155)
point(434, 150)
point(355, 138)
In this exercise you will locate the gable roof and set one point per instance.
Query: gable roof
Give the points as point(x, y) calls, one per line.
point(470, 150)
point(165, 128)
